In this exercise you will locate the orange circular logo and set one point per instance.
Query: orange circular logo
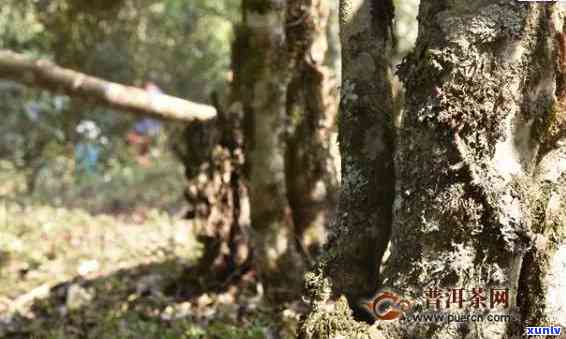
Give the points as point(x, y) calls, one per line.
point(388, 306)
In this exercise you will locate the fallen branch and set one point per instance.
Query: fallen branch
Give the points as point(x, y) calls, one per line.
point(44, 74)
point(23, 301)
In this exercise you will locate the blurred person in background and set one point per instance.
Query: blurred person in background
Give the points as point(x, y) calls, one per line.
point(87, 150)
point(145, 132)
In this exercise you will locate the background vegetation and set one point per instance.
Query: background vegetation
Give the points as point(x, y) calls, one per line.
point(102, 251)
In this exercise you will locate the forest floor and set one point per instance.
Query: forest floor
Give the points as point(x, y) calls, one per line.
point(96, 272)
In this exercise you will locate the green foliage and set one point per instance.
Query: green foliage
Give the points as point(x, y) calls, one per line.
point(108, 232)
point(20, 28)
point(235, 332)
point(31, 133)
point(119, 184)
point(183, 46)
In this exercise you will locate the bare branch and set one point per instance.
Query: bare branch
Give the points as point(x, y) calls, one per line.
point(44, 74)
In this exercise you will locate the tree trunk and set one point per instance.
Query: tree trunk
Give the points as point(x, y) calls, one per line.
point(359, 235)
point(311, 175)
point(263, 76)
point(480, 173)
point(472, 200)
point(286, 96)
point(217, 198)
point(361, 230)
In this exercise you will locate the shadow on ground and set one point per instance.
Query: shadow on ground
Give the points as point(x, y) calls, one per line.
point(157, 300)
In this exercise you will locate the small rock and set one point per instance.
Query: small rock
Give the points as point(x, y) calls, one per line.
point(77, 297)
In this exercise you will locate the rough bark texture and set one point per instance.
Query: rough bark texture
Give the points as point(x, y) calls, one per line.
point(217, 192)
point(361, 230)
point(263, 77)
point(471, 208)
point(311, 108)
point(480, 172)
point(359, 235)
point(217, 198)
point(285, 95)
point(46, 75)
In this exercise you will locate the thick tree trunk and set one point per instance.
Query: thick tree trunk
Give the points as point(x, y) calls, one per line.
point(366, 141)
point(471, 206)
point(217, 198)
point(361, 230)
point(286, 95)
point(310, 170)
point(480, 173)
point(263, 75)
point(360, 233)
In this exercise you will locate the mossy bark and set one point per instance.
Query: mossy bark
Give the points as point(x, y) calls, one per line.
point(359, 235)
point(479, 83)
point(477, 204)
point(311, 174)
point(285, 95)
point(287, 123)
point(264, 75)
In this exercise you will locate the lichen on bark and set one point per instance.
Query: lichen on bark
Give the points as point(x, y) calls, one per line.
point(359, 234)
point(470, 210)
point(286, 94)
point(477, 82)
point(264, 74)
